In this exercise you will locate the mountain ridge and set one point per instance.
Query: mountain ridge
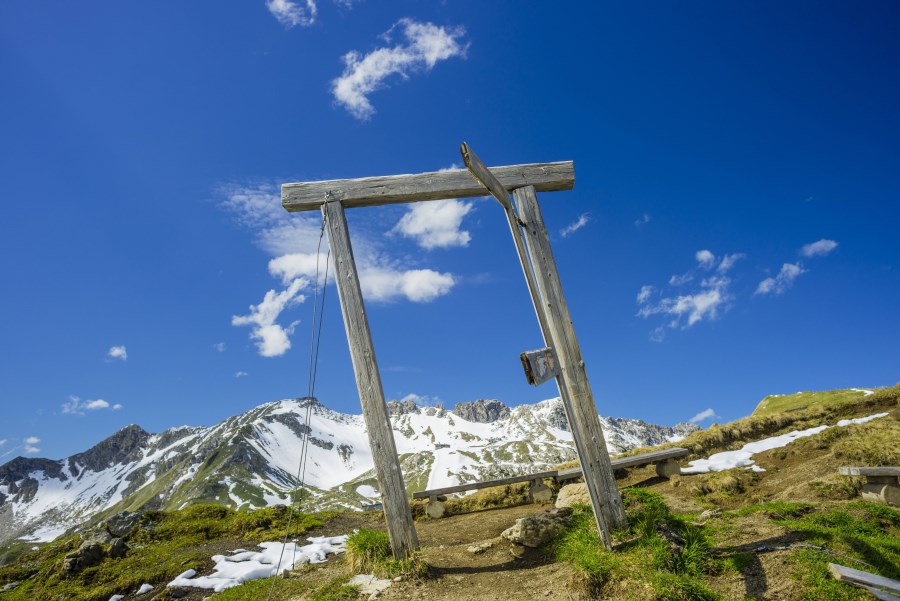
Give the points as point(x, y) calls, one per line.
point(250, 460)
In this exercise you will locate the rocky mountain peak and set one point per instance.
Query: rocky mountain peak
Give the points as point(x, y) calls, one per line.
point(482, 411)
point(402, 407)
point(122, 447)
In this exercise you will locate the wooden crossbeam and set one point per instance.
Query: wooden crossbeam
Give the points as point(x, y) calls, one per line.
point(435, 185)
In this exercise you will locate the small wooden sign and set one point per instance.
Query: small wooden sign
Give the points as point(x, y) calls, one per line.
point(540, 365)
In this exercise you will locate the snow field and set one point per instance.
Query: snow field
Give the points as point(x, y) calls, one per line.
point(743, 457)
point(275, 558)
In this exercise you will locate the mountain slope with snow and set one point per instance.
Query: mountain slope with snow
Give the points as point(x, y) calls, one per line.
point(251, 460)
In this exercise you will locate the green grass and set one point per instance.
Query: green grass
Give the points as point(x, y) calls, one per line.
point(643, 555)
point(165, 544)
point(802, 400)
point(369, 552)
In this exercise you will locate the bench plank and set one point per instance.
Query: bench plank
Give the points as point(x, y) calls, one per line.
point(865, 579)
point(869, 471)
point(633, 461)
point(486, 484)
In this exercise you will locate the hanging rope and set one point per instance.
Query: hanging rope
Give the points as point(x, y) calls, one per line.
point(314, 343)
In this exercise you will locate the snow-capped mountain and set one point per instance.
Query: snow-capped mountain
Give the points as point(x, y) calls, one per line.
point(251, 460)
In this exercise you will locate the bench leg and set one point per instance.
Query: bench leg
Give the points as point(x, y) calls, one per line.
point(668, 468)
point(882, 489)
point(435, 508)
point(539, 492)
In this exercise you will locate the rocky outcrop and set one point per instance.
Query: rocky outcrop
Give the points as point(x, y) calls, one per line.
point(537, 530)
point(482, 411)
point(122, 447)
point(402, 407)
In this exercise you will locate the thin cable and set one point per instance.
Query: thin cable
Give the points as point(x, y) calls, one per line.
point(310, 389)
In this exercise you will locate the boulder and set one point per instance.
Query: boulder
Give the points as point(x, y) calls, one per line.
point(117, 549)
point(573, 494)
point(121, 524)
point(89, 554)
point(535, 531)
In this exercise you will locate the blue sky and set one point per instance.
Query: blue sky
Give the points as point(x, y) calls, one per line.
point(731, 234)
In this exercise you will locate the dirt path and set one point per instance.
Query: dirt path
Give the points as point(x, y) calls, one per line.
point(493, 574)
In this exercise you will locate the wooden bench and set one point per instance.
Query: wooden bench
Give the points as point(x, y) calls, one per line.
point(882, 588)
point(882, 485)
point(537, 490)
point(665, 461)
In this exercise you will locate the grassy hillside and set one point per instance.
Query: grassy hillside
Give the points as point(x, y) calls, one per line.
point(782, 403)
point(765, 535)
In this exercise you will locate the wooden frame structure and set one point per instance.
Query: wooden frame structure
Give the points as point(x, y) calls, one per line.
point(515, 188)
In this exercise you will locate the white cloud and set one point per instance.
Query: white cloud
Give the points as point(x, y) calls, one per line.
point(219, 347)
point(75, 406)
point(291, 14)
point(728, 262)
point(642, 220)
point(29, 447)
point(118, 352)
point(705, 258)
point(819, 248)
point(241, 374)
point(417, 285)
point(678, 280)
point(2, 442)
point(426, 44)
point(644, 295)
point(705, 302)
point(293, 241)
point(781, 282)
point(421, 400)
point(703, 415)
point(272, 339)
point(435, 224)
point(573, 227)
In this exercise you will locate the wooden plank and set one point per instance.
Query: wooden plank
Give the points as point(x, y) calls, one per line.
point(582, 444)
point(486, 484)
point(485, 176)
point(575, 389)
point(436, 185)
point(397, 512)
point(632, 461)
point(858, 577)
point(869, 471)
point(540, 365)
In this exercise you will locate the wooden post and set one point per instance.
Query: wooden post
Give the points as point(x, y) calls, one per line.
point(400, 525)
point(574, 387)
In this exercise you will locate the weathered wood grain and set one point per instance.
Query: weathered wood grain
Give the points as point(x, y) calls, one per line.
point(436, 185)
point(540, 365)
point(397, 512)
point(869, 471)
point(602, 498)
point(632, 461)
point(575, 389)
point(864, 579)
point(486, 484)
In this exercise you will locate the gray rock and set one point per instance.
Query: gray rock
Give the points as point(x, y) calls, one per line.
point(117, 549)
point(535, 531)
point(710, 513)
point(9, 586)
point(573, 494)
point(482, 411)
point(121, 524)
point(88, 554)
point(402, 407)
